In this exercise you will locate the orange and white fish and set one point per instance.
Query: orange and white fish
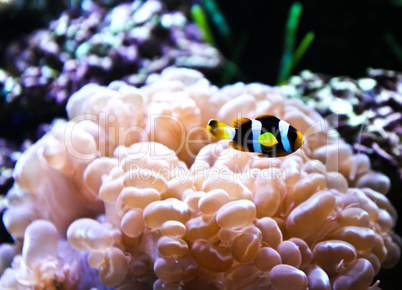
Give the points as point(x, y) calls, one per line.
point(267, 135)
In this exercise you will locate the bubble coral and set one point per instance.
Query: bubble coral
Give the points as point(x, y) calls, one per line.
point(115, 189)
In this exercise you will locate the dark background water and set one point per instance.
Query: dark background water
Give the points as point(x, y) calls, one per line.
point(349, 35)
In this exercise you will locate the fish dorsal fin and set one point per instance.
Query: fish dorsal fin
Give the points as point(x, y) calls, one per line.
point(240, 121)
point(265, 116)
point(267, 139)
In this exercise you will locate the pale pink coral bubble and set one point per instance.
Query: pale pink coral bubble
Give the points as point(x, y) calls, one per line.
point(285, 277)
point(374, 180)
point(183, 76)
point(266, 259)
point(266, 163)
point(233, 160)
point(314, 166)
point(157, 212)
point(365, 203)
point(7, 253)
point(362, 239)
point(9, 279)
point(140, 265)
point(142, 160)
point(95, 172)
point(174, 229)
point(87, 234)
point(358, 275)
point(307, 186)
point(235, 189)
point(337, 181)
point(393, 255)
point(245, 247)
point(145, 178)
point(114, 269)
point(267, 197)
point(176, 187)
point(379, 248)
point(132, 223)
point(156, 151)
point(300, 119)
point(120, 152)
point(26, 169)
point(226, 236)
point(96, 259)
point(373, 259)
point(16, 219)
point(292, 166)
point(36, 249)
point(290, 253)
point(310, 216)
point(162, 285)
point(212, 201)
point(253, 230)
point(172, 247)
point(198, 228)
point(210, 257)
point(236, 214)
point(305, 251)
point(355, 166)
point(231, 109)
point(317, 278)
point(381, 201)
point(175, 270)
point(131, 95)
point(329, 254)
point(271, 233)
point(135, 197)
point(331, 154)
point(170, 130)
point(354, 216)
point(385, 221)
point(111, 188)
point(192, 199)
point(55, 154)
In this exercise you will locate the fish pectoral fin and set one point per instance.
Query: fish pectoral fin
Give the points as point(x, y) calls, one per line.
point(240, 121)
point(267, 139)
point(236, 146)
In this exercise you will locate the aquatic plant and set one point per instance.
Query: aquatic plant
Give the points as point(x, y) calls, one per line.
point(230, 64)
point(132, 192)
point(394, 45)
point(291, 57)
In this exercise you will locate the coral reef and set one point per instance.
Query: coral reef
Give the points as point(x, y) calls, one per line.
point(94, 44)
point(132, 192)
point(99, 45)
point(369, 112)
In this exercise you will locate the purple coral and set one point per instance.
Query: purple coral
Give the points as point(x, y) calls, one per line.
point(370, 113)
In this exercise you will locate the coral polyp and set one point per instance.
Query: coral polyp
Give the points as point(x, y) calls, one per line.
point(132, 191)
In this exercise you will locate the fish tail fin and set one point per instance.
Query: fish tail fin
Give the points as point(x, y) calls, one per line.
point(220, 130)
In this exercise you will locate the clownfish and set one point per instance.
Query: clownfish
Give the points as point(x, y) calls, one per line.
point(267, 135)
